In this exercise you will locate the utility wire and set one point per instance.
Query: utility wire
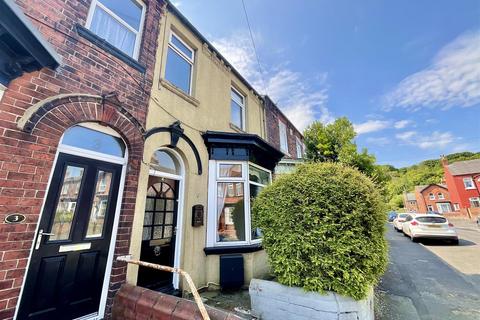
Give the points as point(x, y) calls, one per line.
point(254, 47)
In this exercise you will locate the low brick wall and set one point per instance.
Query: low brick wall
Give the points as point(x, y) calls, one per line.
point(136, 303)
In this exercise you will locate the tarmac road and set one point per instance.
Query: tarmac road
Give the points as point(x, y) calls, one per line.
point(419, 284)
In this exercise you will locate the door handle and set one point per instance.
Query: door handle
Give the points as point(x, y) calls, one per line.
point(39, 238)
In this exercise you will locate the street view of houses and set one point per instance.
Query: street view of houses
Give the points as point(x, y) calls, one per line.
point(242, 159)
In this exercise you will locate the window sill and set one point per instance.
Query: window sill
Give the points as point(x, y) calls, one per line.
point(167, 85)
point(237, 129)
point(102, 43)
point(233, 249)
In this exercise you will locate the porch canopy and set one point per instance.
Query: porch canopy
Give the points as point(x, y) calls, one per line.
point(241, 147)
point(22, 48)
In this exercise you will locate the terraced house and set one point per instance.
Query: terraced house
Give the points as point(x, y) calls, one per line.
point(123, 131)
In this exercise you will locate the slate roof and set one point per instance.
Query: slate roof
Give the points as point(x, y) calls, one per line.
point(464, 167)
point(425, 186)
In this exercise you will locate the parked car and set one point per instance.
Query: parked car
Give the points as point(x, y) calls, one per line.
point(399, 220)
point(429, 226)
point(391, 216)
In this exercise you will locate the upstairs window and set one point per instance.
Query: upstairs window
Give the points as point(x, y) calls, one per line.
point(299, 147)
point(440, 196)
point(431, 196)
point(237, 109)
point(179, 67)
point(119, 22)
point(283, 136)
point(468, 183)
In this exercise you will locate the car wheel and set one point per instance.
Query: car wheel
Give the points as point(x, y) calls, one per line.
point(404, 234)
point(413, 239)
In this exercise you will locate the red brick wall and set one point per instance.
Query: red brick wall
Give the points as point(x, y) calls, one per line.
point(435, 189)
point(457, 189)
point(26, 158)
point(273, 115)
point(133, 303)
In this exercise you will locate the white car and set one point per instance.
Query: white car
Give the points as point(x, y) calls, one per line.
point(429, 226)
point(399, 220)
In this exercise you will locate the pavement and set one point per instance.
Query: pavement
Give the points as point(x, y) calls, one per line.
point(431, 280)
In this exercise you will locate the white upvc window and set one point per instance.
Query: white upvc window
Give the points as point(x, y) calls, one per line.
point(475, 202)
point(444, 207)
point(430, 208)
point(440, 196)
point(119, 22)
point(299, 147)
point(229, 220)
point(431, 196)
point(282, 129)
point(456, 207)
point(179, 65)
point(237, 109)
point(468, 183)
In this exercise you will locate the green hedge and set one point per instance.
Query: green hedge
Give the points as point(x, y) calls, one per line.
point(323, 229)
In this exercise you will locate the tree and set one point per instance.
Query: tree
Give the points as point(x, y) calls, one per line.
point(334, 142)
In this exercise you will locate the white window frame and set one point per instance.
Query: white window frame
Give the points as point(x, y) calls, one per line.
point(299, 145)
point(440, 207)
point(474, 199)
point(138, 34)
point(242, 106)
point(212, 220)
point(281, 125)
point(456, 207)
point(470, 180)
point(440, 196)
point(429, 207)
point(431, 196)
point(190, 60)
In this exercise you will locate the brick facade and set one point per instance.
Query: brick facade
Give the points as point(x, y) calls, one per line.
point(422, 194)
point(273, 116)
point(38, 107)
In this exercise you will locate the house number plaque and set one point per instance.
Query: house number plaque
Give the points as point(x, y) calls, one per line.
point(15, 218)
point(197, 215)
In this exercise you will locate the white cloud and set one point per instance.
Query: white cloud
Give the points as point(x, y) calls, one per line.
point(406, 135)
point(451, 80)
point(370, 126)
point(436, 140)
point(379, 141)
point(402, 124)
point(302, 99)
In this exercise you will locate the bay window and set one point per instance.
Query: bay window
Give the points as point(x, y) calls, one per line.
point(230, 183)
point(119, 22)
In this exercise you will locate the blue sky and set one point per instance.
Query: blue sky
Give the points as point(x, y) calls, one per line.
point(406, 73)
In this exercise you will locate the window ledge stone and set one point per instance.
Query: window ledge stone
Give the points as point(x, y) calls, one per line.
point(233, 249)
point(237, 129)
point(167, 85)
point(109, 48)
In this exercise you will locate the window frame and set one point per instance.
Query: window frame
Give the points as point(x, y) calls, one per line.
point(429, 207)
point(280, 124)
point(212, 219)
point(242, 106)
point(474, 199)
point(138, 34)
point(440, 196)
point(456, 207)
point(189, 60)
point(431, 196)
point(469, 179)
point(299, 144)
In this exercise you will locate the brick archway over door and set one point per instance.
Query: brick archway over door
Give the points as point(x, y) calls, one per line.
point(30, 159)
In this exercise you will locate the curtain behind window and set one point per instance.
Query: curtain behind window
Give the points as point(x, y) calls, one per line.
point(107, 27)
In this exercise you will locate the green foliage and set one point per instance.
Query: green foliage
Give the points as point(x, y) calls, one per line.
point(426, 172)
point(323, 229)
point(334, 142)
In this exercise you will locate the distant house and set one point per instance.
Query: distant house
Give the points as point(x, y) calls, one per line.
point(463, 180)
point(433, 197)
point(410, 202)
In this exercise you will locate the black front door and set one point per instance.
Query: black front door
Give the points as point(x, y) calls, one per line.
point(67, 267)
point(159, 229)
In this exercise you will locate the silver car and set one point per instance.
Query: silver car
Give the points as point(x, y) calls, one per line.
point(399, 220)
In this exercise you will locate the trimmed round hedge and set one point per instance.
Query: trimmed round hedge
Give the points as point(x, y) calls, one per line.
point(323, 229)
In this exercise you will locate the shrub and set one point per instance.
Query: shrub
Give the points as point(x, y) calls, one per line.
point(323, 229)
